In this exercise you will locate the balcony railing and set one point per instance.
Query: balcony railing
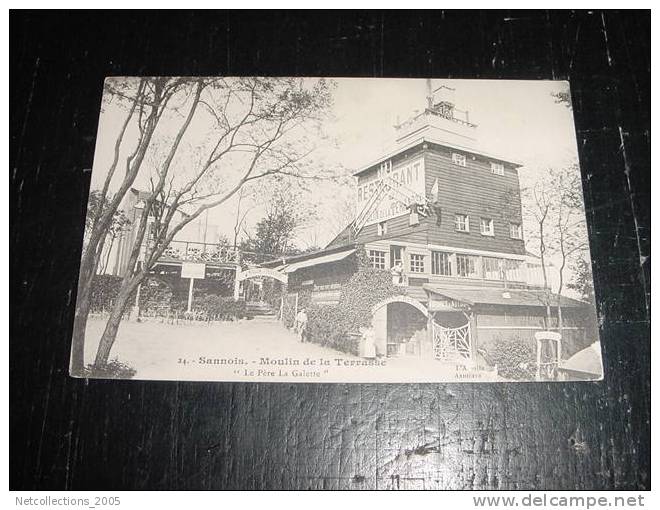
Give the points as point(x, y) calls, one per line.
point(202, 252)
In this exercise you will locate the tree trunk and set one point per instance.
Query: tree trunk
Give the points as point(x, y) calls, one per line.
point(108, 337)
point(112, 326)
point(548, 312)
point(88, 264)
point(77, 363)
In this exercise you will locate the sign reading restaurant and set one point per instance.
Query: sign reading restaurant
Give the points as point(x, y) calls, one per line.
point(409, 177)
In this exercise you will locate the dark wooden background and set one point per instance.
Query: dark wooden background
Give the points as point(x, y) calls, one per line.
point(68, 433)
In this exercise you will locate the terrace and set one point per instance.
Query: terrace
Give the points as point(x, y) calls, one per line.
point(189, 251)
point(210, 253)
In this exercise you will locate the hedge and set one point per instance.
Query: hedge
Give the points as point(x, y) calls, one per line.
point(220, 308)
point(156, 294)
point(328, 326)
point(338, 326)
point(159, 294)
point(514, 358)
point(105, 289)
point(113, 369)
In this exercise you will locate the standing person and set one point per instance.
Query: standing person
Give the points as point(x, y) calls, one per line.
point(301, 324)
point(397, 273)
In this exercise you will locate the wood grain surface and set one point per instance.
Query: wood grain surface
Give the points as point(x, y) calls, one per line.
point(74, 434)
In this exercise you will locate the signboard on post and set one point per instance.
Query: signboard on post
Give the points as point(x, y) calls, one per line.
point(193, 270)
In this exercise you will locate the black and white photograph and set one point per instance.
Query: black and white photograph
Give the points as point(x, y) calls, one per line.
point(336, 230)
point(338, 252)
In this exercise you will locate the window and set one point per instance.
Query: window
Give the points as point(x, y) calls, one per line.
point(396, 255)
point(385, 167)
point(462, 222)
point(441, 263)
point(497, 168)
point(416, 263)
point(466, 266)
point(513, 270)
point(487, 227)
point(458, 159)
point(515, 230)
point(534, 274)
point(377, 259)
point(492, 268)
point(382, 228)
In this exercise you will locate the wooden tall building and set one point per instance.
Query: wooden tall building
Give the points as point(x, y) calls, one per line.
point(445, 217)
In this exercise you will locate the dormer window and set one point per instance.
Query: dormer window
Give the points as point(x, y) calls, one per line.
point(497, 168)
point(458, 159)
point(385, 168)
point(382, 228)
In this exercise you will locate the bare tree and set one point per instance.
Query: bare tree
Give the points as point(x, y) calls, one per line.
point(244, 129)
point(556, 224)
point(244, 205)
point(539, 198)
point(144, 101)
point(569, 228)
point(286, 213)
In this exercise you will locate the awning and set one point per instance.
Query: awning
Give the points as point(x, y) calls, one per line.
point(587, 360)
point(501, 296)
point(323, 259)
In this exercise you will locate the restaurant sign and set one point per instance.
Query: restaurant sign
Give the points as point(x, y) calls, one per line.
point(408, 179)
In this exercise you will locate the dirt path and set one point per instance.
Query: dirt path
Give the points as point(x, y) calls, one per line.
point(154, 349)
point(257, 351)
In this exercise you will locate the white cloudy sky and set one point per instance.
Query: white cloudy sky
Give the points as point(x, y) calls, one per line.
point(517, 119)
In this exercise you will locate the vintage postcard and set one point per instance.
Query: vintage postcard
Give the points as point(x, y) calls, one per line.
point(336, 230)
